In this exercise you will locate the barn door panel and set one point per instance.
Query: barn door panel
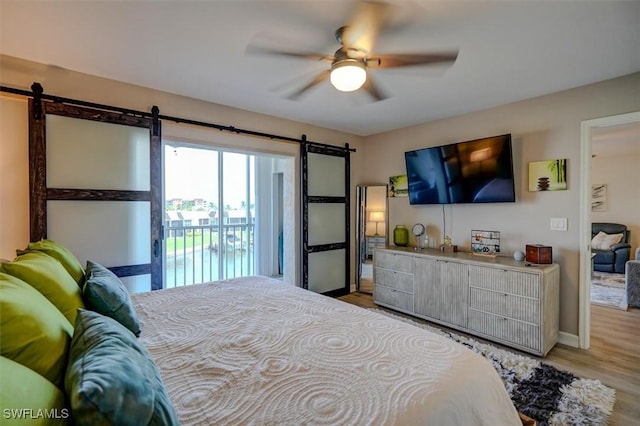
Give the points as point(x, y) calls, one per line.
point(95, 187)
point(325, 219)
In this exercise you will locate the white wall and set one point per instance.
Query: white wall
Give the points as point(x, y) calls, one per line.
point(623, 192)
point(542, 128)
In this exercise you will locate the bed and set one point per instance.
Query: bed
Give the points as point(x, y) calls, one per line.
point(258, 351)
point(78, 348)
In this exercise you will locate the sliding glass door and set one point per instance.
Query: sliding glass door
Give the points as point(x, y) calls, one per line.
point(217, 225)
point(209, 218)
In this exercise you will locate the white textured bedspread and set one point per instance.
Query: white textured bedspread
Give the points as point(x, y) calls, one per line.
point(257, 351)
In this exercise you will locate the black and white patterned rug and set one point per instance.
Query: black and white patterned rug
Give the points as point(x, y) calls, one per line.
point(608, 289)
point(539, 390)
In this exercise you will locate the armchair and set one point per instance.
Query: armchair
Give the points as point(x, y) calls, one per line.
point(611, 259)
point(632, 281)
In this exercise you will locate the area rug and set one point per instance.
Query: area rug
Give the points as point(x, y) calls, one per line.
point(608, 289)
point(539, 390)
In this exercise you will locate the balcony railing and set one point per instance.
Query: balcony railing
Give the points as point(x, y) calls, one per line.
point(197, 254)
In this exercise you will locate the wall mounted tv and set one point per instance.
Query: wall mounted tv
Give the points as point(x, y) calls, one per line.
point(477, 171)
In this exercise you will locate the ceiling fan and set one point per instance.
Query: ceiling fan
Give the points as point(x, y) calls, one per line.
point(351, 63)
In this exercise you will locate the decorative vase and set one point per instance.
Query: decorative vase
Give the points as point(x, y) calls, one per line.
point(401, 236)
point(519, 256)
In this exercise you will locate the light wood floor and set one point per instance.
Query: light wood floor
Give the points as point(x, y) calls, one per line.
point(614, 356)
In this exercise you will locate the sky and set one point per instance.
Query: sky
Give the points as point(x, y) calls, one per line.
point(193, 173)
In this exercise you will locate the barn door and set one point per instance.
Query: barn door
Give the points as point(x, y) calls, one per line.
point(95, 187)
point(325, 219)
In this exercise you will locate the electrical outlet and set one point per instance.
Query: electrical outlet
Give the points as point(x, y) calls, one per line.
point(558, 223)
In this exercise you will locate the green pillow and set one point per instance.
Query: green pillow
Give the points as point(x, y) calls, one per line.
point(111, 378)
point(27, 398)
point(104, 293)
point(34, 333)
point(62, 254)
point(48, 276)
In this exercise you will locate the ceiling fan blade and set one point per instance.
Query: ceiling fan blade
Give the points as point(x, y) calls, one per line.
point(262, 50)
point(366, 23)
point(409, 60)
point(373, 89)
point(317, 80)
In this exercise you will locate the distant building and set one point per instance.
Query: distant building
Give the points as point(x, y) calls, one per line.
point(185, 218)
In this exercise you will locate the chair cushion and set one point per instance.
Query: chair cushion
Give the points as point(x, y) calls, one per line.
point(34, 333)
point(48, 276)
point(103, 292)
point(24, 389)
point(604, 241)
point(111, 378)
point(606, 257)
point(610, 228)
point(62, 254)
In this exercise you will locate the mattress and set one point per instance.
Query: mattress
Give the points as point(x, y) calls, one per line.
point(257, 351)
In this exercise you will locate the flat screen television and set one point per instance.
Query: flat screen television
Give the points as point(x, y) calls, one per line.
point(477, 171)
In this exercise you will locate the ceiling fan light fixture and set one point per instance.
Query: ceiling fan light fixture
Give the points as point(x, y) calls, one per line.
point(348, 75)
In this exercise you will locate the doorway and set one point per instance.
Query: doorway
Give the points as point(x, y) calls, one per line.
point(371, 231)
point(588, 129)
point(223, 213)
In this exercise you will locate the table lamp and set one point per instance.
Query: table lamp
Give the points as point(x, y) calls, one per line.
point(376, 217)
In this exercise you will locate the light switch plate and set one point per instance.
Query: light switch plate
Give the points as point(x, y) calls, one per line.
point(558, 223)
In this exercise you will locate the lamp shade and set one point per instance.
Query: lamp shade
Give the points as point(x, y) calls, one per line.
point(348, 75)
point(376, 216)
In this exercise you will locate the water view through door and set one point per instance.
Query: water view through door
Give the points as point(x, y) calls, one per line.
point(209, 215)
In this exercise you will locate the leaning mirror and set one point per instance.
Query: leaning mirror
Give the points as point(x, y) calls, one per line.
point(371, 231)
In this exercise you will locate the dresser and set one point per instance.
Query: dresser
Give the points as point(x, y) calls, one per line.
point(499, 299)
point(374, 242)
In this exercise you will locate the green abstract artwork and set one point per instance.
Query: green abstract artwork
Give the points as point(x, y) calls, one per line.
point(549, 175)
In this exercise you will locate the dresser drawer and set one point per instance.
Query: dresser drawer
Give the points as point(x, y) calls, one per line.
point(392, 297)
point(374, 242)
point(392, 279)
point(504, 281)
point(396, 262)
point(506, 329)
point(504, 305)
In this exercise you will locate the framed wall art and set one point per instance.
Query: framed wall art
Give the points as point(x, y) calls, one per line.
point(398, 186)
point(599, 197)
point(548, 175)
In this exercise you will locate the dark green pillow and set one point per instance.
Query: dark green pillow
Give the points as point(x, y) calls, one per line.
point(103, 292)
point(111, 378)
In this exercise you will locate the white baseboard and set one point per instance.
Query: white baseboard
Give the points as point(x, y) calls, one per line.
point(352, 289)
point(568, 339)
